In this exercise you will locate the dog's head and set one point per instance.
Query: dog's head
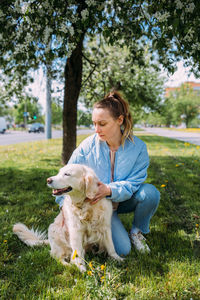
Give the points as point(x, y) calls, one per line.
point(73, 179)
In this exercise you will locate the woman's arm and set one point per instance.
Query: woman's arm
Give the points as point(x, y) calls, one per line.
point(123, 190)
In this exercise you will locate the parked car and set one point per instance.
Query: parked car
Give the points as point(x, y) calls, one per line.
point(36, 127)
point(3, 126)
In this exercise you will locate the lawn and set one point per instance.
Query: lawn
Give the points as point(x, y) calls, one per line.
point(170, 271)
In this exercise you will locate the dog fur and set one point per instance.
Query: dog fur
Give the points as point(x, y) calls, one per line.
point(79, 226)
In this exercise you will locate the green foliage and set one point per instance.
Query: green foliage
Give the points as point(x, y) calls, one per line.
point(173, 28)
point(84, 118)
point(3, 100)
point(111, 68)
point(27, 104)
point(56, 112)
point(182, 106)
point(171, 271)
point(186, 103)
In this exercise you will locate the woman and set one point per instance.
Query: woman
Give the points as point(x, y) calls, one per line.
point(120, 160)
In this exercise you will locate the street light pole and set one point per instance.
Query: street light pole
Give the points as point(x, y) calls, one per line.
point(48, 103)
point(25, 114)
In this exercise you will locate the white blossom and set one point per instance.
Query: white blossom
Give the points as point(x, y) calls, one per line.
point(74, 18)
point(90, 2)
point(162, 17)
point(28, 37)
point(71, 30)
point(1, 14)
point(84, 14)
point(189, 35)
point(190, 8)
point(196, 46)
point(45, 4)
point(63, 28)
point(47, 33)
point(24, 8)
point(179, 4)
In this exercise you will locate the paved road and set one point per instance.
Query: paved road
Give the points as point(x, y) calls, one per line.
point(190, 137)
point(15, 137)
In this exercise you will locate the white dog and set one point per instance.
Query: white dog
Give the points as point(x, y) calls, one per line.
point(80, 225)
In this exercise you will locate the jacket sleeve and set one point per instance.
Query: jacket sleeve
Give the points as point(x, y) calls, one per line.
point(78, 156)
point(123, 190)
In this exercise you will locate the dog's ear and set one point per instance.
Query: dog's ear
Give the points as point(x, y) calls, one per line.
point(91, 187)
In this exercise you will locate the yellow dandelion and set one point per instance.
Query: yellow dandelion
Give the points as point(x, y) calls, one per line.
point(89, 273)
point(163, 185)
point(5, 241)
point(102, 267)
point(75, 254)
point(102, 278)
point(90, 265)
point(198, 147)
point(197, 225)
point(177, 165)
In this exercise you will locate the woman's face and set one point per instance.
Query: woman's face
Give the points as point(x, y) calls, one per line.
point(107, 128)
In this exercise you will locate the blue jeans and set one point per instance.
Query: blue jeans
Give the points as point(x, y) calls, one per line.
point(144, 204)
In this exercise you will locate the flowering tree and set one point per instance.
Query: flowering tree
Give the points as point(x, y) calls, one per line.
point(35, 32)
point(114, 69)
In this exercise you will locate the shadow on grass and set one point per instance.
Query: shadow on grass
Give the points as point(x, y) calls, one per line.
point(177, 178)
point(52, 162)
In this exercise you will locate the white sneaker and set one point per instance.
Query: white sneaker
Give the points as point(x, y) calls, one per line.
point(139, 243)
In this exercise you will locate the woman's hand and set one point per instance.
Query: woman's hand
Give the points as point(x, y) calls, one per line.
point(104, 190)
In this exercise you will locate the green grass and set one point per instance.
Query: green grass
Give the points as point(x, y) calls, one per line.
point(170, 271)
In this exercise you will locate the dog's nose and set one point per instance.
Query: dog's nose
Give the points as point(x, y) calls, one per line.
point(49, 180)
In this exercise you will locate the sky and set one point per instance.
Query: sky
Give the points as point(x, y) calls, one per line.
point(180, 76)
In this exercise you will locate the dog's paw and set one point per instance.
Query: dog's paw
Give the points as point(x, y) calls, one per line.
point(79, 263)
point(65, 261)
point(117, 257)
point(120, 259)
point(82, 268)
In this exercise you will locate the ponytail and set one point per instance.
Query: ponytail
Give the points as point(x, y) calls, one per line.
point(117, 106)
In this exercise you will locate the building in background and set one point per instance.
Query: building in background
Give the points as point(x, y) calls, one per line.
point(191, 84)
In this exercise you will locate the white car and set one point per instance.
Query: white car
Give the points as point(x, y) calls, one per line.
point(36, 127)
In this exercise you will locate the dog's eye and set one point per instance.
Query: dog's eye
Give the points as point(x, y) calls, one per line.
point(66, 174)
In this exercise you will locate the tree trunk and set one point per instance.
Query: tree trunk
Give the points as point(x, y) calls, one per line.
point(73, 79)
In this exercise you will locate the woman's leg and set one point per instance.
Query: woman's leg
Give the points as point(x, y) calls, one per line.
point(120, 236)
point(144, 204)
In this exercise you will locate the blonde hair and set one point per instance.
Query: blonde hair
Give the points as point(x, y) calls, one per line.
point(117, 107)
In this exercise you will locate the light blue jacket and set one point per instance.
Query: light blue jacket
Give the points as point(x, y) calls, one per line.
point(130, 169)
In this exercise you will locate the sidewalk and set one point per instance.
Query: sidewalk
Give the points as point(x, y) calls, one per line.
point(189, 137)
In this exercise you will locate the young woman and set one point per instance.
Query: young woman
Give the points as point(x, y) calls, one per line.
point(120, 160)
